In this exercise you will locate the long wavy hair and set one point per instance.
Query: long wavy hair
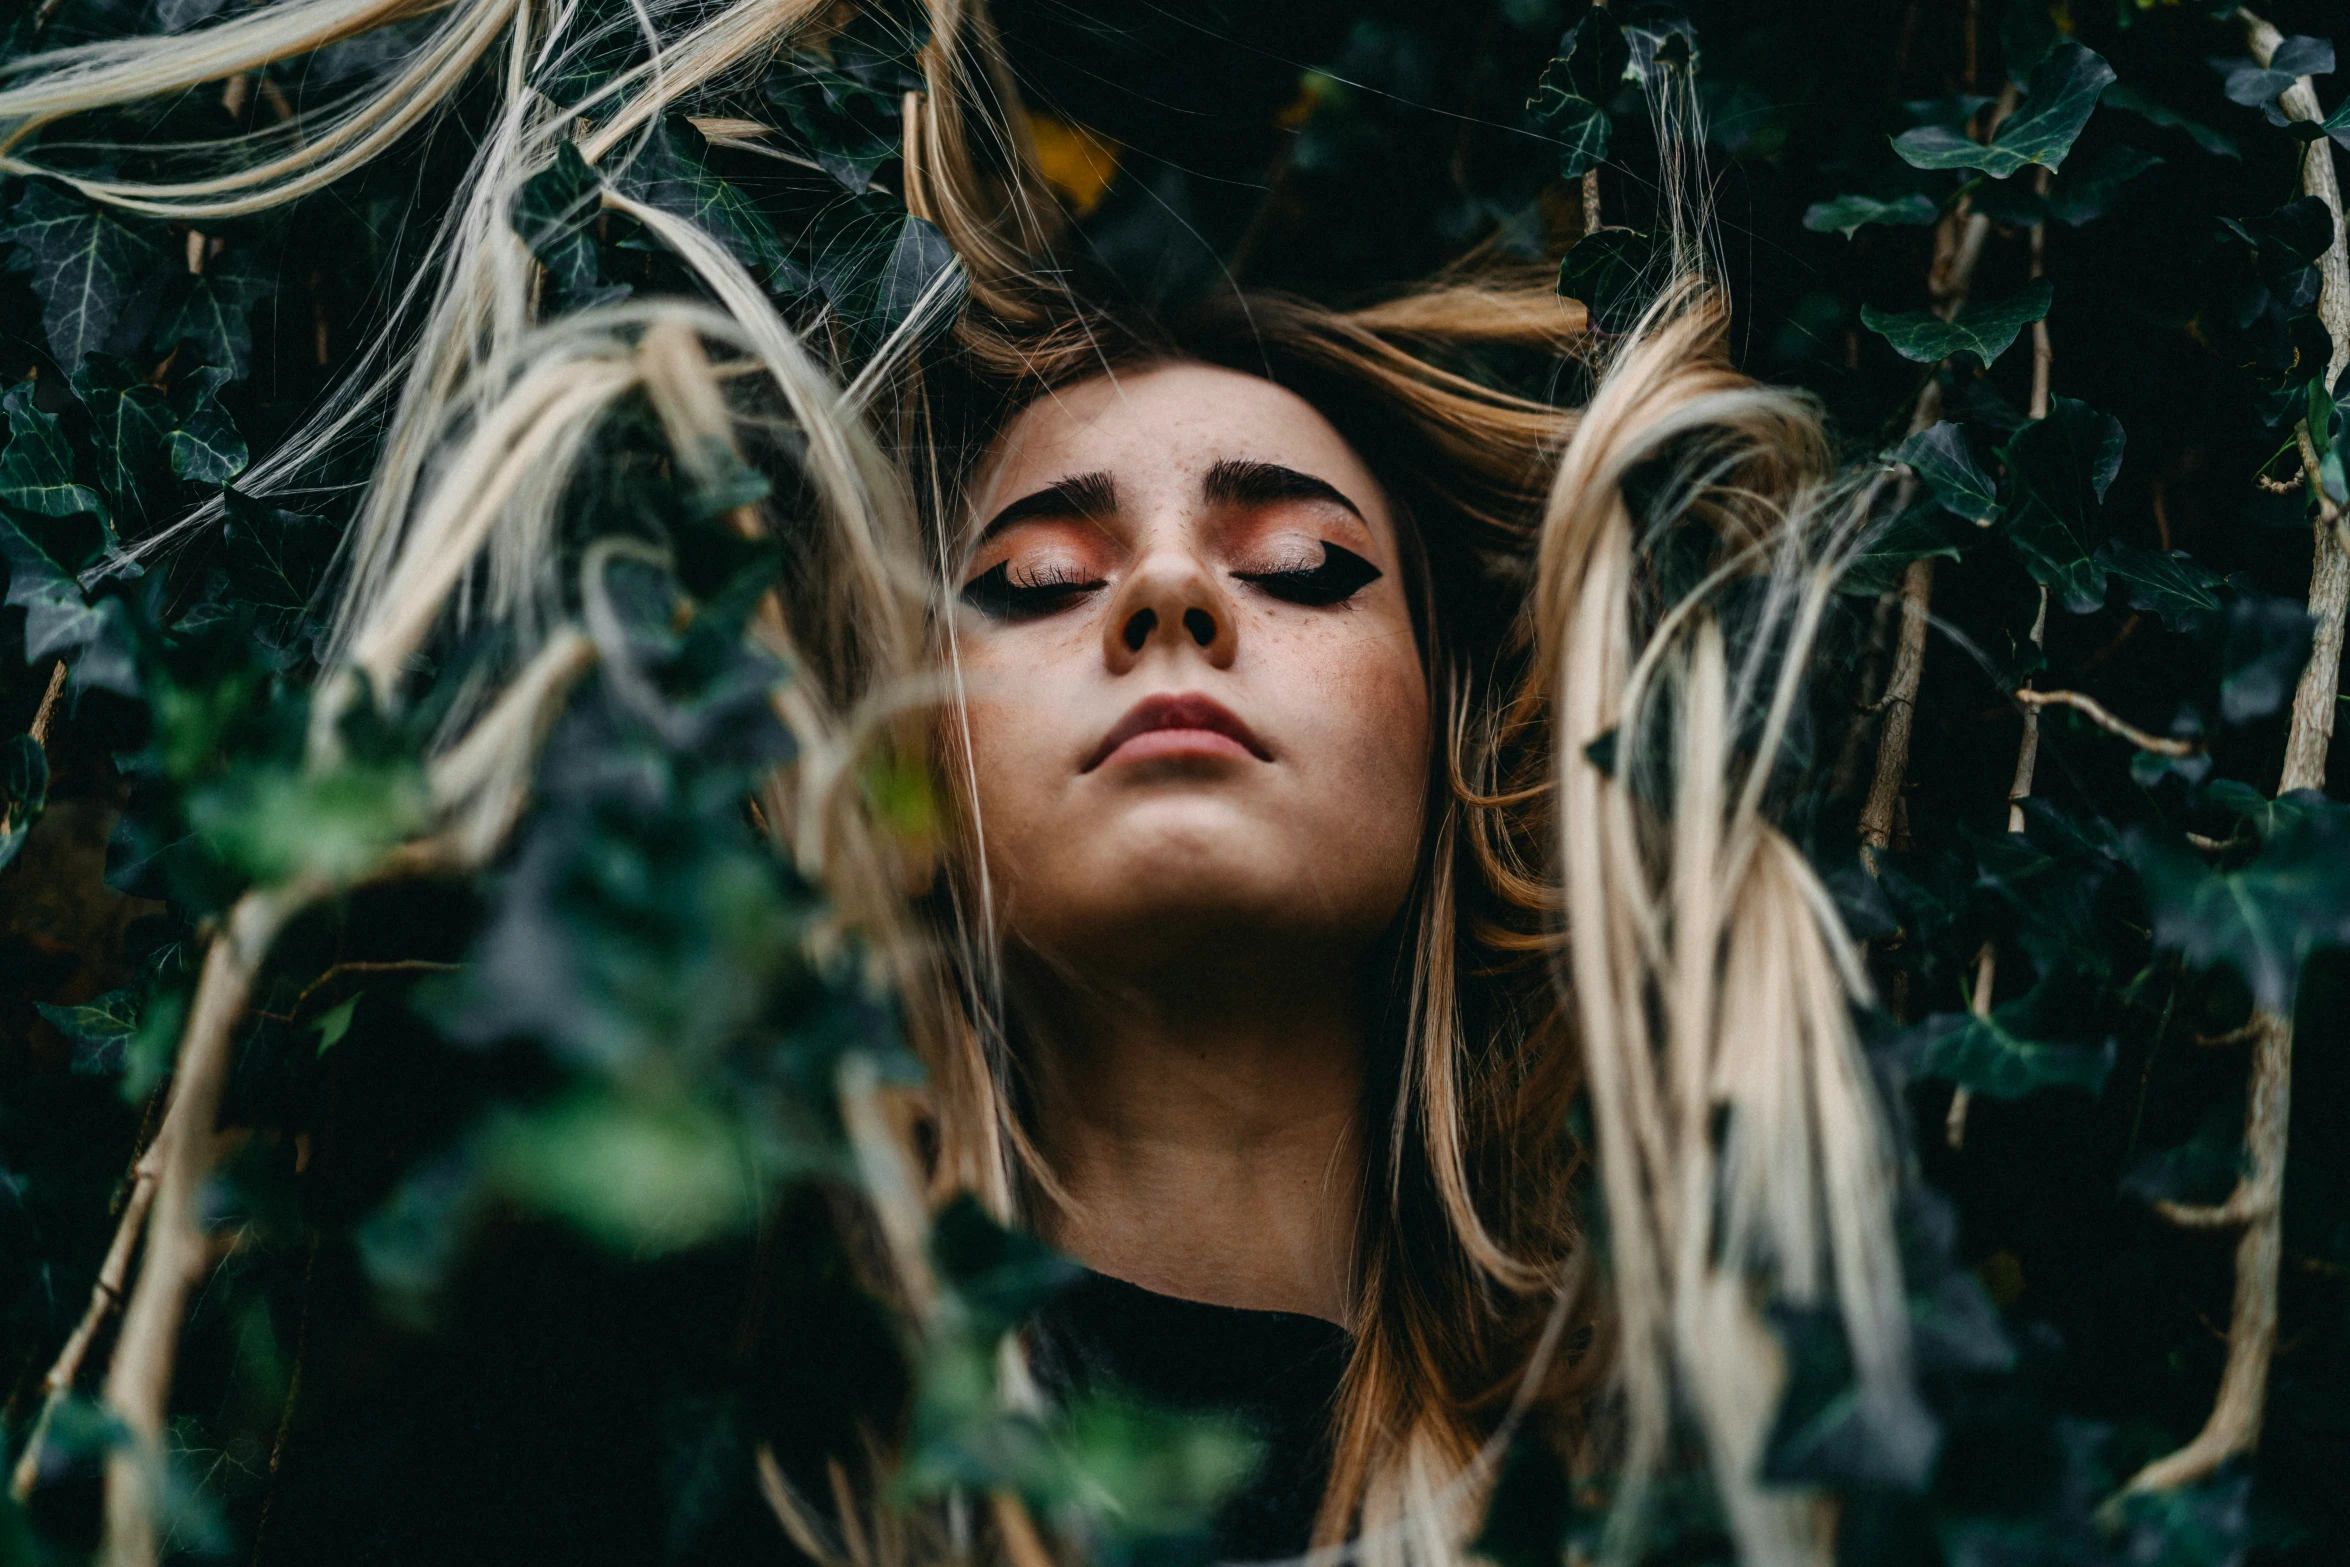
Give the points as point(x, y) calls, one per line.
point(1604, 908)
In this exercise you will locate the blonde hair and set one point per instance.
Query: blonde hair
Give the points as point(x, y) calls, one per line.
point(1605, 907)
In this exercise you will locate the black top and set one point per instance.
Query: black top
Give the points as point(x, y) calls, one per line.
point(1276, 1371)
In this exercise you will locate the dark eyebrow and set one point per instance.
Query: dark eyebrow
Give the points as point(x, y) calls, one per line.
point(1234, 482)
point(1078, 495)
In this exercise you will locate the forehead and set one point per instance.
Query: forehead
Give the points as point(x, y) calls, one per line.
point(1164, 427)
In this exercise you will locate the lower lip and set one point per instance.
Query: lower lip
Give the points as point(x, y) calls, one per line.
point(1152, 744)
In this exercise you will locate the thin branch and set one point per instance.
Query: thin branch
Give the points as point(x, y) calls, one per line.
point(105, 1296)
point(2095, 711)
point(1979, 1003)
point(2027, 750)
point(48, 710)
point(1949, 281)
point(2258, 1203)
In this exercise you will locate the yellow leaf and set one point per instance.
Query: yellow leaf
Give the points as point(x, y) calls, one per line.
point(1075, 160)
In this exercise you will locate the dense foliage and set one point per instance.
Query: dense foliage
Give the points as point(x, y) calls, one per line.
point(588, 1103)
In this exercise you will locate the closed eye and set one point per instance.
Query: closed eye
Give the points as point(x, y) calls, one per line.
point(1341, 575)
point(1046, 591)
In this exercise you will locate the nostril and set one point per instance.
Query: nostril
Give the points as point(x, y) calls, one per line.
point(1138, 630)
point(1201, 625)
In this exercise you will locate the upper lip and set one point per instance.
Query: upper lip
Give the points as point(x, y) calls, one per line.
point(1188, 711)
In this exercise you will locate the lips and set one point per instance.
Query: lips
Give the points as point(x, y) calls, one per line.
point(1168, 725)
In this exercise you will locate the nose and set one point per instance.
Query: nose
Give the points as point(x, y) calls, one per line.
point(1169, 600)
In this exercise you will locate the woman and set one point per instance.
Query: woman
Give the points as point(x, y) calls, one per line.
point(1339, 781)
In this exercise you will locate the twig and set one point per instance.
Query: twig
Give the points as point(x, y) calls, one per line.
point(105, 1295)
point(138, 1383)
point(1949, 281)
point(1979, 1003)
point(1022, 1543)
point(2027, 748)
point(47, 713)
point(2093, 710)
point(2257, 1205)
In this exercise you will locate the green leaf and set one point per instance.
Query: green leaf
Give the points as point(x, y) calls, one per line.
point(36, 469)
point(274, 824)
point(1847, 215)
point(643, 1178)
point(874, 261)
point(59, 620)
point(670, 172)
point(2122, 96)
point(215, 316)
point(1997, 1057)
point(554, 213)
point(2064, 91)
point(2089, 188)
point(133, 421)
point(85, 263)
point(848, 128)
point(999, 1275)
point(1983, 329)
point(2061, 466)
point(2171, 585)
point(277, 559)
point(1609, 271)
point(2260, 661)
point(332, 1024)
point(24, 792)
point(1570, 101)
point(203, 443)
point(2264, 918)
point(1941, 458)
point(1877, 566)
point(101, 1029)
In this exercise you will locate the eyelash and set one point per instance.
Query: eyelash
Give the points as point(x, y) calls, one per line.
point(1339, 576)
point(1054, 587)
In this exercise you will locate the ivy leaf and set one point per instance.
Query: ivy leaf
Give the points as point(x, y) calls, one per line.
point(643, 1178)
point(2122, 96)
point(1997, 1056)
point(553, 214)
point(1941, 458)
point(100, 1029)
point(276, 559)
point(2264, 918)
point(2088, 189)
point(874, 260)
point(1000, 1276)
point(849, 129)
point(1608, 271)
point(1847, 215)
point(1878, 564)
point(2267, 643)
point(36, 468)
point(1570, 101)
point(670, 172)
point(24, 792)
point(2302, 55)
point(2061, 466)
point(2064, 92)
point(1983, 329)
point(59, 620)
point(133, 420)
point(203, 443)
point(2173, 586)
point(215, 317)
point(84, 262)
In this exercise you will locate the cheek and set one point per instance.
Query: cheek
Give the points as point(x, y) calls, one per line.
point(1365, 699)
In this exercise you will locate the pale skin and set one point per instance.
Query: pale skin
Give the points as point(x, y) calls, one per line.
point(1198, 728)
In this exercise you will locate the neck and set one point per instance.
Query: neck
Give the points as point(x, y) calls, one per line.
point(1206, 1128)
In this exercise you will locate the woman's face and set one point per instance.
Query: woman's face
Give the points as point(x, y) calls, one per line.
point(1197, 715)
